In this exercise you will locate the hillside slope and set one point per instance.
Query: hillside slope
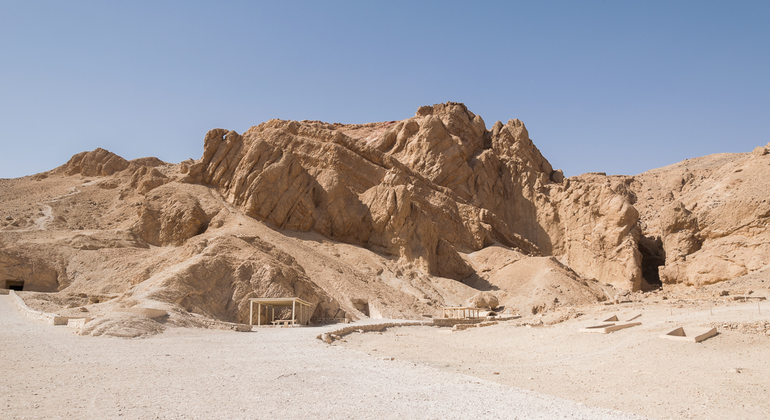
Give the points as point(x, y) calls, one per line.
point(391, 219)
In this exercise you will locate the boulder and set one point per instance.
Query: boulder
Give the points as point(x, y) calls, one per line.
point(484, 300)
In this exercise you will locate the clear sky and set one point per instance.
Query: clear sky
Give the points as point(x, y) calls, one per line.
point(612, 86)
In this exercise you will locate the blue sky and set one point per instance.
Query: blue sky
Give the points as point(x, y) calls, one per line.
point(612, 86)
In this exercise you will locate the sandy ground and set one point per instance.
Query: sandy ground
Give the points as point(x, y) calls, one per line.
point(724, 377)
point(48, 372)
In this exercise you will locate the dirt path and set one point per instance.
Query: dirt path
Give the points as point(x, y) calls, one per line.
point(41, 223)
point(48, 372)
point(46, 212)
point(724, 377)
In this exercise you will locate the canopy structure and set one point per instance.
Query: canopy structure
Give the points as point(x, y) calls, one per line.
point(300, 311)
point(460, 312)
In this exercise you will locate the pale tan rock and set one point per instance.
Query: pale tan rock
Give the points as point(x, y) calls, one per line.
point(147, 178)
point(680, 231)
point(170, 217)
point(23, 266)
point(598, 233)
point(98, 162)
point(484, 300)
point(420, 189)
point(407, 216)
point(711, 214)
point(532, 285)
point(219, 280)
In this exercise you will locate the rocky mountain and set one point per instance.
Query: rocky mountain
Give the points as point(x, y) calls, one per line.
point(391, 219)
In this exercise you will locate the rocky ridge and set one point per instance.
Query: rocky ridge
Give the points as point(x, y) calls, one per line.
point(391, 219)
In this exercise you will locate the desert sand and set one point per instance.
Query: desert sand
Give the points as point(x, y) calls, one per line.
point(186, 373)
point(724, 377)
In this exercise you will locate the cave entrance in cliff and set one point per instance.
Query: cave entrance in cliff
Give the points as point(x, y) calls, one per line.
point(15, 285)
point(361, 305)
point(653, 257)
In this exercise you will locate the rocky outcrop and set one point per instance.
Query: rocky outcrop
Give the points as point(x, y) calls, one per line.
point(19, 269)
point(169, 216)
point(146, 178)
point(98, 162)
point(711, 215)
point(484, 300)
point(392, 219)
point(599, 232)
point(424, 189)
point(221, 275)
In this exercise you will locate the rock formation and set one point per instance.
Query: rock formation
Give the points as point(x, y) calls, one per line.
point(424, 189)
point(710, 215)
point(390, 219)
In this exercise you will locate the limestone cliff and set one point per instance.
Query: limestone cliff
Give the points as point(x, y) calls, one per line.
point(392, 219)
point(709, 216)
point(424, 189)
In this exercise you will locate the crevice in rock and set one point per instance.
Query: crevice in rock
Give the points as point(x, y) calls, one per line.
point(203, 228)
point(653, 256)
point(361, 305)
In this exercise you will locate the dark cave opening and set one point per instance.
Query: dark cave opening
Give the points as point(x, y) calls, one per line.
point(361, 305)
point(653, 256)
point(15, 285)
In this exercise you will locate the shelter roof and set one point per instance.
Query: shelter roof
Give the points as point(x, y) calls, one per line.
point(287, 301)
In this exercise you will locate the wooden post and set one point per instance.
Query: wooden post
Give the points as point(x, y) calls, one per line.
point(251, 312)
point(293, 313)
point(259, 314)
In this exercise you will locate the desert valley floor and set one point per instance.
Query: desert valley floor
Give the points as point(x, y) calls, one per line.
point(375, 222)
point(509, 370)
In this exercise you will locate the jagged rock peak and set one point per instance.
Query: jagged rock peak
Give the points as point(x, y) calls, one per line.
point(101, 162)
point(422, 189)
point(98, 162)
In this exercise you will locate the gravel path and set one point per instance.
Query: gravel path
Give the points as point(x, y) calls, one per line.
point(48, 372)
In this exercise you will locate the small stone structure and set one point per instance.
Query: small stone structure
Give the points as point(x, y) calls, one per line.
point(695, 335)
point(460, 312)
point(611, 324)
point(608, 328)
point(48, 318)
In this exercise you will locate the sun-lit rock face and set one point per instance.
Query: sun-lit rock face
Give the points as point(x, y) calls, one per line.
point(423, 189)
point(711, 215)
point(392, 219)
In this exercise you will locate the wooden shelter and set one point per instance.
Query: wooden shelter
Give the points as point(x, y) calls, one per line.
point(300, 311)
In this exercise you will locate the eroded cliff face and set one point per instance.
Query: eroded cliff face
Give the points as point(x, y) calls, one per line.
point(391, 219)
point(425, 189)
point(710, 215)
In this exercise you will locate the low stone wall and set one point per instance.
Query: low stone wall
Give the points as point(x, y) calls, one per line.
point(51, 319)
point(461, 327)
point(336, 334)
point(222, 325)
point(451, 322)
